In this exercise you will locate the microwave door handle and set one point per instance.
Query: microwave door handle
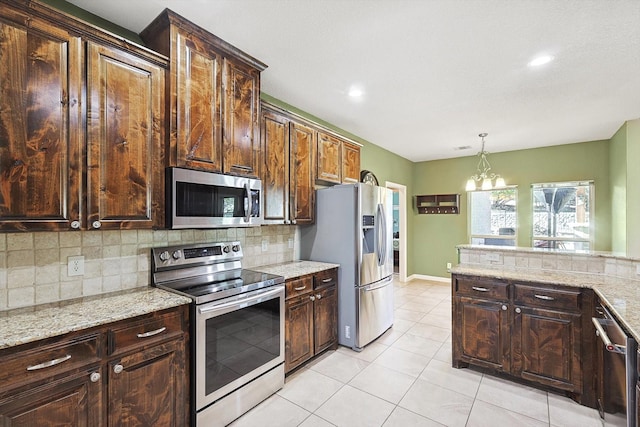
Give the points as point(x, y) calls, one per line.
point(247, 202)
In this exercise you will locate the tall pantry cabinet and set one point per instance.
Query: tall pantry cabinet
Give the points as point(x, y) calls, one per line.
point(75, 103)
point(213, 98)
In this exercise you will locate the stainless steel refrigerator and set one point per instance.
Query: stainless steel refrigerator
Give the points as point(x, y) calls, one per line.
point(354, 228)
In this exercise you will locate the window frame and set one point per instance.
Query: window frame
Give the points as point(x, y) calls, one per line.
point(560, 184)
point(507, 237)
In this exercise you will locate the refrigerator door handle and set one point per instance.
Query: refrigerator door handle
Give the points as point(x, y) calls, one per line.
point(374, 286)
point(381, 225)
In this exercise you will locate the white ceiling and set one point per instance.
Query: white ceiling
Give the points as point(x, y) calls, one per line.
point(435, 73)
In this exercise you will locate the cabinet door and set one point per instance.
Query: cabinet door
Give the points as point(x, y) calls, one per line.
point(149, 387)
point(302, 195)
point(74, 400)
point(275, 172)
point(350, 163)
point(329, 162)
point(241, 141)
point(481, 333)
point(546, 347)
point(298, 329)
point(325, 318)
point(40, 126)
point(124, 154)
point(197, 80)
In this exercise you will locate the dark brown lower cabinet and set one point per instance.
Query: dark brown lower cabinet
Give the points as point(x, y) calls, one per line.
point(311, 316)
point(128, 373)
point(529, 331)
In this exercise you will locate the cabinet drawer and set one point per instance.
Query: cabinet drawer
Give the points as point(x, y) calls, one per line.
point(482, 288)
point(547, 298)
point(325, 278)
point(49, 361)
point(299, 286)
point(141, 332)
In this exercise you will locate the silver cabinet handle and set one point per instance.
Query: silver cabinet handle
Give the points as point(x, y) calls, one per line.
point(152, 333)
point(504, 307)
point(312, 298)
point(518, 310)
point(75, 224)
point(96, 224)
point(544, 297)
point(318, 296)
point(479, 289)
point(118, 368)
point(49, 363)
point(95, 377)
point(327, 280)
point(300, 288)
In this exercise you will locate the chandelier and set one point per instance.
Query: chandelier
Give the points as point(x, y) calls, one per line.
point(484, 176)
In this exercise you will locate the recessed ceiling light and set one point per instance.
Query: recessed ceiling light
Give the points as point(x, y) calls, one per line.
point(540, 60)
point(355, 92)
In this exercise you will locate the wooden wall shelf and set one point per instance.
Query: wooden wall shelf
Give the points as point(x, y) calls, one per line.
point(438, 204)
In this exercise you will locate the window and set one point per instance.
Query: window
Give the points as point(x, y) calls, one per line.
point(562, 215)
point(493, 216)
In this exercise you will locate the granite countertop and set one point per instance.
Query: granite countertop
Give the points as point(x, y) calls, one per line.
point(622, 296)
point(24, 325)
point(295, 268)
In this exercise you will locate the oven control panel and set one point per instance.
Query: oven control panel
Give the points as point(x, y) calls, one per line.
point(201, 253)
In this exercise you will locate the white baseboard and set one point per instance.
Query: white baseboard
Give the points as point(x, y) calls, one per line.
point(432, 278)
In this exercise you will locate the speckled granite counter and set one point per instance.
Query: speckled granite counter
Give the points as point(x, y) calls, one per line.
point(295, 268)
point(24, 325)
point(621, 295)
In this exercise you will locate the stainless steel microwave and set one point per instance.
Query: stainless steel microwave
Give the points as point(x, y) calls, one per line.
point(197, 199)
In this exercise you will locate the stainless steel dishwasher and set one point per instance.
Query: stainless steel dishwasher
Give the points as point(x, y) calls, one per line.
point(617, 359)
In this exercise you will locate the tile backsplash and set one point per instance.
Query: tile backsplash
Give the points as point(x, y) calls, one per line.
point(33, 266)
point(526, 258)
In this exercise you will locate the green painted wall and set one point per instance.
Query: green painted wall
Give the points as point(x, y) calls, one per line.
point(633, 188)
point(618, 183)
point(435, 236)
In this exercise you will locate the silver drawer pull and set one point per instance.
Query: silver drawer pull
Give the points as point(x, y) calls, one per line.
point(327, 280)
point(48, 364)
point(152, 333)
point(544, 297)
point(300, 288)
point(479, 289)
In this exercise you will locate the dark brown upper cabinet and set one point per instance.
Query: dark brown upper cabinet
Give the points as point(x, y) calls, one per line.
point(213, 98)
point(70, 95)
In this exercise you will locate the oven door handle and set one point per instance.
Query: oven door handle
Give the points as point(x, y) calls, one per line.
point(244, 302)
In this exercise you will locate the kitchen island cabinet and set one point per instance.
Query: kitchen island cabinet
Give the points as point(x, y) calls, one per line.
point(56, 71)
point(529, 331)
point(213, 100)
point(129, 372)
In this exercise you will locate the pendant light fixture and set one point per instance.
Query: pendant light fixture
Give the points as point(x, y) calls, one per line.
point(484, 176)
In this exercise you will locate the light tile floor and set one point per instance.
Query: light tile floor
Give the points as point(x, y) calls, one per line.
point(405, 378)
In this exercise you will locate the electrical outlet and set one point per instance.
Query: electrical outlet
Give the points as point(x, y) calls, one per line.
point(75, 266)
point(448, 266)
point(637, 268)
point(347, 332)
point(265, 245)
point(290, 243)
point(493, 257)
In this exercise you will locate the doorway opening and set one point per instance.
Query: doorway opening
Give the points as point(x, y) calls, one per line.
point(399, 229)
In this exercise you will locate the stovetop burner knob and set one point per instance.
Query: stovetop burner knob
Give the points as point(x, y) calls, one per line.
point(235, 248)
point(225, 249)
point(164, 256)
point(176, 254)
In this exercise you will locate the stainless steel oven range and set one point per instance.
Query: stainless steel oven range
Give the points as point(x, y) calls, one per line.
point(237, 317)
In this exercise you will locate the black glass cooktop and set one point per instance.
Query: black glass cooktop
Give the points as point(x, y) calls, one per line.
point(240, 281)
